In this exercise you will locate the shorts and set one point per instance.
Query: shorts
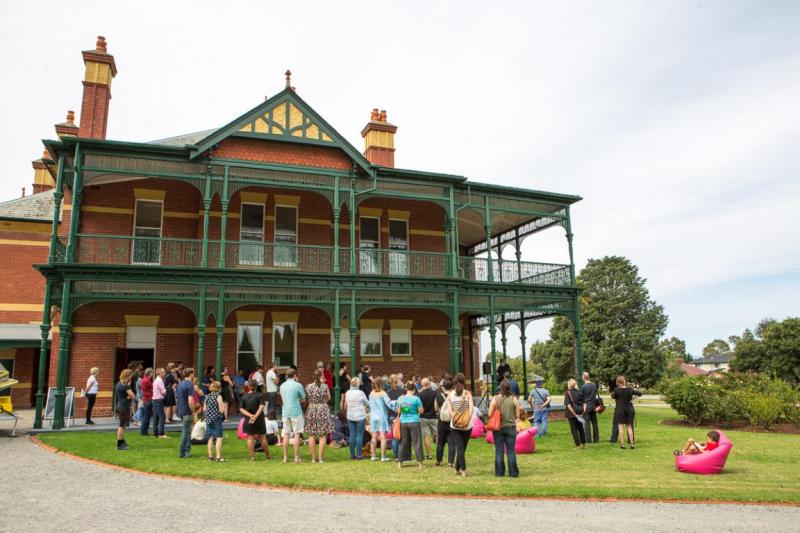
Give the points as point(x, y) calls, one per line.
point(124, 417)
point(214, 429)
point(293, 425)
point(429, 426)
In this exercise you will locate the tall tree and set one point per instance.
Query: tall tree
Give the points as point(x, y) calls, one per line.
point(674, 348)
point(773, 348)
point(621, 327)
point(717, 347)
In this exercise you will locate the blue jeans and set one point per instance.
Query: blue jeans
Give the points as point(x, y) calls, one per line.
point(395, 442)
point(540, 419)
point(147, 414)
point(356, 440)
point(504, 440)
point(186, 435)
point(158, 414)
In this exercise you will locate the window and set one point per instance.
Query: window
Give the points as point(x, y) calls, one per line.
point(371, 342)
point(368, 258)
point(400, 341)
point(147, 232)
point(285, 236)
point(284, 341)
point(398, 244)
point(344, 342)
point(251, 235)
point(248, 347)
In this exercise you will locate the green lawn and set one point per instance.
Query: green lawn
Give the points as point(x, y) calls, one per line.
point(762, 467)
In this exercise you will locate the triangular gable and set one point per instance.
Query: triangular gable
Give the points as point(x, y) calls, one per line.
point(284, 117)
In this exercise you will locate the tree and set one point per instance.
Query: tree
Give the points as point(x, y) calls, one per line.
point(674, 348)
point(621, 327)
point(717, 347)
point(773, 348)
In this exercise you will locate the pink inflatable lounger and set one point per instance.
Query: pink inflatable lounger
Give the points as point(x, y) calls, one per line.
point(525, 440)
point(478, 429)
point(706, 463)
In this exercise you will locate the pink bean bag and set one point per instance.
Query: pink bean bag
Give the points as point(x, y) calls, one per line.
point(478, 429)
point(240, 429)
point(525, 440)
point(706, 463)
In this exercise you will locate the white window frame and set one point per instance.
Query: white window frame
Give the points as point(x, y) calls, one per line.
point(294, 331)
point(362, 338)
point(260, 353)
point(160, 230)
point(342, 343)
point(275, 243)
point(259, 261)
point(375, 267)
point(392, 333)
point(398, 259)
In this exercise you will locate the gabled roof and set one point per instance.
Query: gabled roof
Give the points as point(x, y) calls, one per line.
point(285, 117)
point(38, 207)
point(712, 359)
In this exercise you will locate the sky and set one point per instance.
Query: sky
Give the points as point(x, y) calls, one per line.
point(677, 122)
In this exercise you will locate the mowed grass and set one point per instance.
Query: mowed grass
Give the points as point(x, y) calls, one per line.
point(762, 467)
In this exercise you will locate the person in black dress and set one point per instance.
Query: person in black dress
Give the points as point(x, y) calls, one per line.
point(624, 413)
point(252, 409)
point(574, 409)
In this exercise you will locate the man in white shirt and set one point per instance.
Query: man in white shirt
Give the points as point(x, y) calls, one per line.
point(272, 389)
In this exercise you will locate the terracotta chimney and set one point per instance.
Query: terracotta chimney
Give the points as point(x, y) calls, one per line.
point(68, 128)
point(42, 180)
point(379, 139)
point(100, 70)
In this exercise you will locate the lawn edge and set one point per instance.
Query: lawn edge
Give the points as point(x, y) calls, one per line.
point(264, 486)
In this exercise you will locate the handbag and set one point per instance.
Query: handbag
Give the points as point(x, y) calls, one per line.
point(600, 406)
point(494, 420)
point(396, 428)
point(462, 417)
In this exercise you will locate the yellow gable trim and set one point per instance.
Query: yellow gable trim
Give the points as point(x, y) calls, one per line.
point(250, 316)
point(141, 320)
point(253, 197)
point(371, 323)
point(283, 316)
point(399, 215)
point(149, 194)
point(370, 212)
point(287, 199)
point(401, 324)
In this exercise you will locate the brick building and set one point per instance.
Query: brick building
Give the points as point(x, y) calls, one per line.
point(270, 238)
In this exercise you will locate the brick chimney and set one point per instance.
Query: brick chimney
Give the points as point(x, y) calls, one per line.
point(42, 180)
point(68, 128)
point(100, 70)
point(379, 139)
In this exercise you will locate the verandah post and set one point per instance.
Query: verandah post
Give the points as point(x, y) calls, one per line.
point(201, 330)
point(44, 347)
point(337, 331)
point(353, 330)
point(522, 340)
point(77, 195)
point(223, 220)
point(493, 344)
point(487, 213)
point(64, 335)
point(337, 213)
point(206, 217)
point(58, 195)
point(220, 327)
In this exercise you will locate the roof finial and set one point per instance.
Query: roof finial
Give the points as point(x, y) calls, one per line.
point(288, 79)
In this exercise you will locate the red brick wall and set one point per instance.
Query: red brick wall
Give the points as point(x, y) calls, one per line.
point(94, 110)
point(23, 373)
point(283, 153)
point(20, 283)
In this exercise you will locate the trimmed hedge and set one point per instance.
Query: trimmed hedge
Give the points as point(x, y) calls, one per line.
point(732, 397)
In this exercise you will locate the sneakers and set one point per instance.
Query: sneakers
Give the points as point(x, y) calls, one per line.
point(374, 458)
point(385, 459)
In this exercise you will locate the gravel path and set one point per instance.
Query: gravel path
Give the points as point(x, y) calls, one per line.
point(49, 492)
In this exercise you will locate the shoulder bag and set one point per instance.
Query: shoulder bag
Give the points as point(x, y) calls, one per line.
point(461, 418)
point(599, 406)
point(494, 420)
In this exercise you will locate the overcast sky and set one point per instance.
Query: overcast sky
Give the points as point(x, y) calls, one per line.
point(678, 122)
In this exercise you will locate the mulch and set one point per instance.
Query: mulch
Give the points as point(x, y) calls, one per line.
point(791, 429)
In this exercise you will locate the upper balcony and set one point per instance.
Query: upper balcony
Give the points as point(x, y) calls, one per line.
point(93, 249)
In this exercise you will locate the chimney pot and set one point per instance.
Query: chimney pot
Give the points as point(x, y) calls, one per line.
point(374, 115)
point(23, 192)
point(70, 117)
point(101, 44)
point(383, 115)
point(379, 139)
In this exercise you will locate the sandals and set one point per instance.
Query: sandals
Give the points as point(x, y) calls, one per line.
point(677, 453)
point(221, 460)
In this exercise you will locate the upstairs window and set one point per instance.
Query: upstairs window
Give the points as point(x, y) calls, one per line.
point(398, 246)
point(147, 232)
point(285, 236)
point(251, 235)
point(368, 256)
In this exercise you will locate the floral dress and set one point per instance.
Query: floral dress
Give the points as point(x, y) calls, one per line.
point(318, 414)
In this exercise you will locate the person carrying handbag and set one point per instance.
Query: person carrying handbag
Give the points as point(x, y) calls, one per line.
point(459, 406)
point(505, 437)
point(443, 424)
point(588, 393)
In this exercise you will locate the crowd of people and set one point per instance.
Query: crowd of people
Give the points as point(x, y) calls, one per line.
point(414, 419)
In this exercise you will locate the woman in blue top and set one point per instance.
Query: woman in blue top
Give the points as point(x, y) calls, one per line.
point(409, 407)
point(379, 418)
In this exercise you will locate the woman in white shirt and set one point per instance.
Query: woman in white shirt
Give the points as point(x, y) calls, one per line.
point(356, 402)
point(92, 387)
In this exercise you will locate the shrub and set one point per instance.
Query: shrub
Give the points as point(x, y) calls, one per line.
point(688, 396)
point(763, 410)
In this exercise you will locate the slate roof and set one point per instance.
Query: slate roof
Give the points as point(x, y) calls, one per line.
point(186, 138)
point(713, 359)
point(34, 207)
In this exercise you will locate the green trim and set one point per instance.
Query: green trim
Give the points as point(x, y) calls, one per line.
point(285, 96)
point(25, 343)
point(419, 174)
point(21, 219)
point(531, 193)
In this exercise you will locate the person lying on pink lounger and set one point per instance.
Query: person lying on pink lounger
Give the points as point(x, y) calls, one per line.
point(693, 447)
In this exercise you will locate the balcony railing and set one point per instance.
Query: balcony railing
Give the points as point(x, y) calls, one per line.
point(244, 255)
